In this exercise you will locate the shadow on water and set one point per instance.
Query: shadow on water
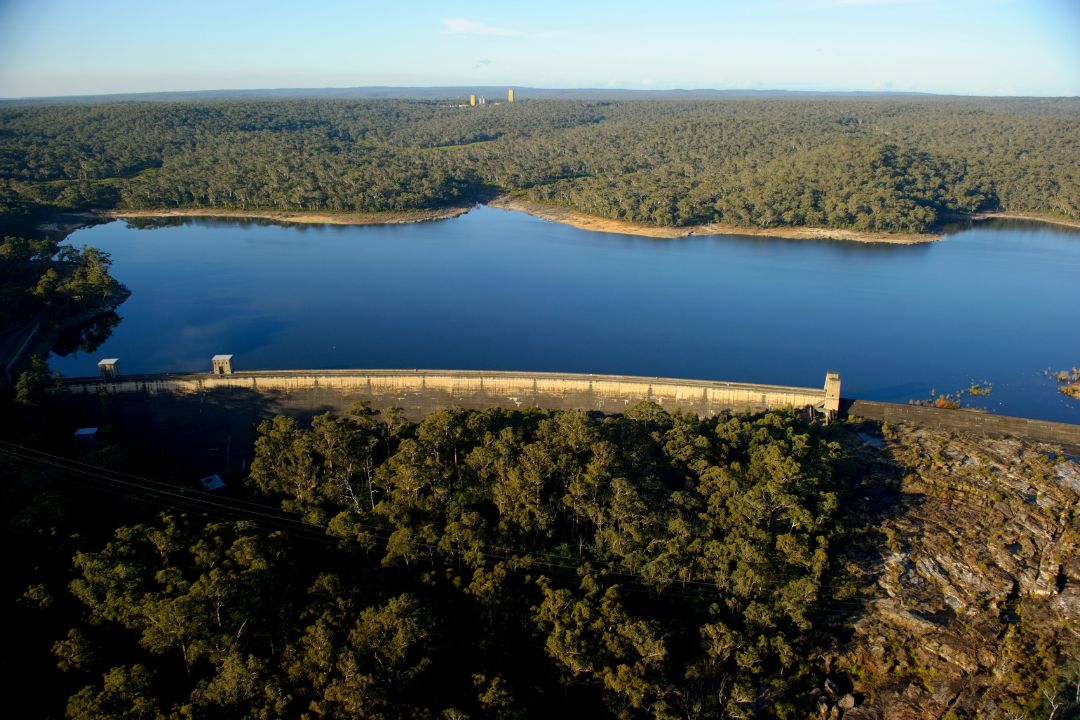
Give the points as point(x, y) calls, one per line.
point(959, 226)
point(87, 337)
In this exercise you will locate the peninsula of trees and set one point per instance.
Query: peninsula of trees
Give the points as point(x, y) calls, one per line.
point(871, 164)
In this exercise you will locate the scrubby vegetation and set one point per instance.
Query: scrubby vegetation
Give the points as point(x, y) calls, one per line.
point(869, 164)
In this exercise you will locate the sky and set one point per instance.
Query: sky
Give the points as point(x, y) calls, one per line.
point(968, 47)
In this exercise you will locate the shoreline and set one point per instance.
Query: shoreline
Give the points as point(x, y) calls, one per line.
point(295, 217)
point(582, 221)
point(599, 224)
point(1033, 217)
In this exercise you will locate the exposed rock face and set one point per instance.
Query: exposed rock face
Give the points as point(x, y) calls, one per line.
point(970, 573)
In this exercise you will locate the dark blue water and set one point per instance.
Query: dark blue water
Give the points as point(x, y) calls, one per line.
point(500, 290)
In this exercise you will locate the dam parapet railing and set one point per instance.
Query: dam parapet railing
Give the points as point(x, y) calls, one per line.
point(420, 391)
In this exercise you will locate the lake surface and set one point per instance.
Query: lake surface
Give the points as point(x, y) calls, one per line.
point(500, 290)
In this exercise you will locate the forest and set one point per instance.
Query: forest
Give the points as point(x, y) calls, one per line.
point(475, 564)
point(502, 564)
point(884, 164)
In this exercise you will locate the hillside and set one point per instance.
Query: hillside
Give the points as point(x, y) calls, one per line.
point(874, 164)
point(528, 563)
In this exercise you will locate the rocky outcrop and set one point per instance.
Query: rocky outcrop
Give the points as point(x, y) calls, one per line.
point(969, 569)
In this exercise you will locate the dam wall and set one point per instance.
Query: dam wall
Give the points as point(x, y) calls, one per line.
point(418, 392)
point(210, 420)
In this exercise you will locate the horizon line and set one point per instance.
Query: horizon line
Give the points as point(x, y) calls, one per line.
point(465, 87)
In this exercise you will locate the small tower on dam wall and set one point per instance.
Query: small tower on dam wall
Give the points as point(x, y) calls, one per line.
point(109, 367)
point(832, 393)
point(221, 365)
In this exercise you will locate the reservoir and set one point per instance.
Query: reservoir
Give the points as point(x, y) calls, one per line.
point(500, 290)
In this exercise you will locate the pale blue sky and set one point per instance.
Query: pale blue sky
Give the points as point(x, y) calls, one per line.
point(986, 47)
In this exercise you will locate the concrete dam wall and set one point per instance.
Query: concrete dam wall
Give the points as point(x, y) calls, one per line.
point(418, 392)
point(212, 410)
point(305, 393)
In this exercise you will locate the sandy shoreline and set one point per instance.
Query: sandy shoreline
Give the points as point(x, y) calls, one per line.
point(579, 220)
point(599, 224)
point(315, 218)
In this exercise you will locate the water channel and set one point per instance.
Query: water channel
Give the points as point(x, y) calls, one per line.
point(499, 290)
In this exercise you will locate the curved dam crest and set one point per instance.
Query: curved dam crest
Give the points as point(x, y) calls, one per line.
point(239, 399)
point(418, 392)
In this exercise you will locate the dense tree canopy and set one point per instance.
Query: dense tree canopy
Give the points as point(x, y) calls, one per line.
point(512, 564)
point(477, 564)
point(877, 163)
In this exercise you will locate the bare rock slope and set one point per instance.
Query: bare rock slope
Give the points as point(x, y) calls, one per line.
point(968, 569)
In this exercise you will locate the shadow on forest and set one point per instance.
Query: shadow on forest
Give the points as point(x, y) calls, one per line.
point(872, 481)
point(194, 435)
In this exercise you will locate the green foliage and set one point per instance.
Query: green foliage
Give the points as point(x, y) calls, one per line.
point(870, 164)
point(32, 384)
point(40, 279)
point(480, 564)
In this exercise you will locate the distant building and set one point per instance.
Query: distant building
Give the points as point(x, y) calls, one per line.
point(510, 95)
point(472, 100)
point(481, 100)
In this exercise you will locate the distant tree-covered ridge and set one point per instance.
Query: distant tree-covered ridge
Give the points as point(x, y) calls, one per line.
point(870, 164)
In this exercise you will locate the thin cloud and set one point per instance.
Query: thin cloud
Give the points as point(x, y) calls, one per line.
point(461, 26)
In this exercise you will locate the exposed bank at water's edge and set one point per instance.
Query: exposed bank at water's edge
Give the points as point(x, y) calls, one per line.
point(545, 212)
point(601, 224)
point(576, 219)
point(976, 423)
point(297, 217)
